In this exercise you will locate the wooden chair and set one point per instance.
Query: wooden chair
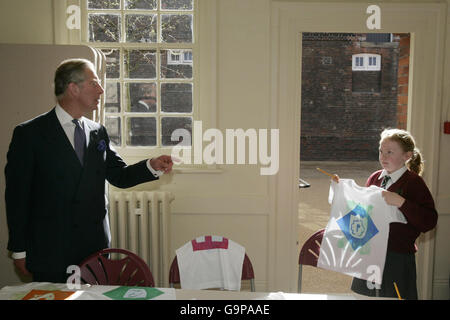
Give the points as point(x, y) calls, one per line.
point(309, 254)
point(131, 270)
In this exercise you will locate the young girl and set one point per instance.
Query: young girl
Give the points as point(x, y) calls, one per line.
point(401, 177)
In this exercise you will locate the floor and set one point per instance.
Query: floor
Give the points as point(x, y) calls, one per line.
point(313, 214)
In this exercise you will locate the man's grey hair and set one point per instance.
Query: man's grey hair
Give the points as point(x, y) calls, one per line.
point(71, 70)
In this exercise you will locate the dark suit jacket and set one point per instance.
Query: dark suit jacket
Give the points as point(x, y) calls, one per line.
point(55, 206)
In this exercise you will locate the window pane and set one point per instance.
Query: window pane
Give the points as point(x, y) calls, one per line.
point(140, 4)
point(112, 124)
point(176, 64)
point(176, 28)
point(187, 56)
point(170, 124)
point(176, 4)
point(140, 97)
point(112, 63)
point(112, 97)
point(140, 64)
point(104, 27)
point(103, 4)
point(141, 131)
point(141, 27)
point(176, 97)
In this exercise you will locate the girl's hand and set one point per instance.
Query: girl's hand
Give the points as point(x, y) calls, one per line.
point(393, 199)
point(335, 178)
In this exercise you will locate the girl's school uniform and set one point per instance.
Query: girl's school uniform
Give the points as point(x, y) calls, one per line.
point(421, 215)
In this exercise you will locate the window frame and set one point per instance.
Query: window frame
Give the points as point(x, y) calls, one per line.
point(142, 152)
point(366, 66)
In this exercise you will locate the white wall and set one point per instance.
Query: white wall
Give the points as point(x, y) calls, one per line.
point(441, 288)
point(25, 21)
point(230, 200)
point(21, 21)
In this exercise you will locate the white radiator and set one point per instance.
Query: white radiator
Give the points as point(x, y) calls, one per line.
point(140, 222)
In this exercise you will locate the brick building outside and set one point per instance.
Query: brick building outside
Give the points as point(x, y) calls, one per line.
point(343, 111)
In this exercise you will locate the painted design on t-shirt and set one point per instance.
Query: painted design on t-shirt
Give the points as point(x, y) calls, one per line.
point(358, 227)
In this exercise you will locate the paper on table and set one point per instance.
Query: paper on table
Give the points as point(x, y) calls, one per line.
point(48, 295)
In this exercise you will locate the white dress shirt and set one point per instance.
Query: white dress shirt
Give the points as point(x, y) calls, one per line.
point(394, 176)
point(68, 126)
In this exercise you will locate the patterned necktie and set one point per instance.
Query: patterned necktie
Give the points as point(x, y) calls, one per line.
point(79, 140)
point(385, 181)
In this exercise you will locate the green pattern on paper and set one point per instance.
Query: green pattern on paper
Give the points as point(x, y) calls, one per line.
point(133, 293)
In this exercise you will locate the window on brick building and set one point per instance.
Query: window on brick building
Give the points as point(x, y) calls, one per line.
point(179, 57)
point(366, 62)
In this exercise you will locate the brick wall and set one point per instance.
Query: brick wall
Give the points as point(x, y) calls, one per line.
point(343, 112)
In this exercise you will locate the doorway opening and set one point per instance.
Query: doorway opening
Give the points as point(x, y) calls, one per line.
point(354, 85)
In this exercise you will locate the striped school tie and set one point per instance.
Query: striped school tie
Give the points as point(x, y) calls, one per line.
point(385, 181)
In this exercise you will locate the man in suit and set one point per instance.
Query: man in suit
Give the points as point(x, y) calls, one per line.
point(56, 169)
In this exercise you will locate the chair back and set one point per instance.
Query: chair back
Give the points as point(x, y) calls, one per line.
point(100, 269)
point(309, 254)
